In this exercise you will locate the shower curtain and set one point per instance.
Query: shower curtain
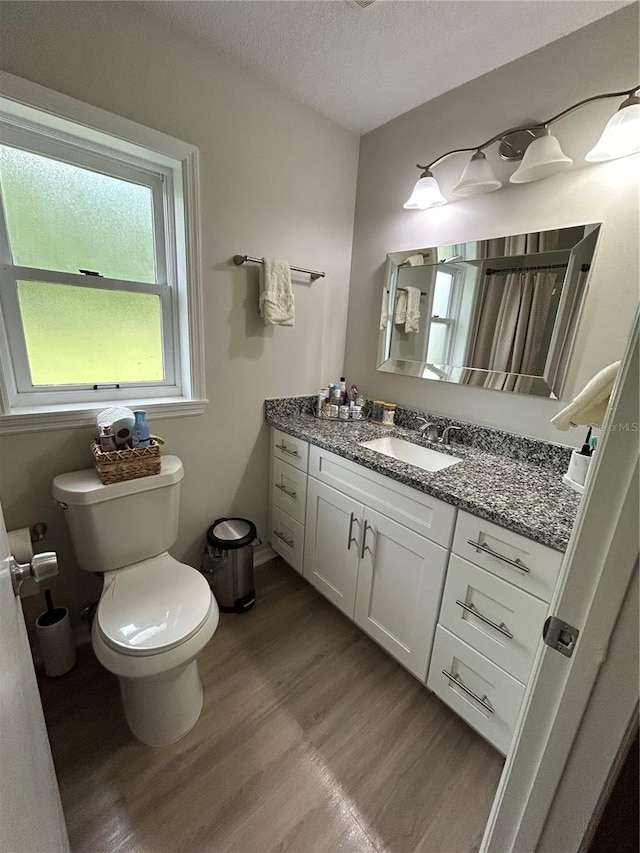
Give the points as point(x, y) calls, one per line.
point(513, 320)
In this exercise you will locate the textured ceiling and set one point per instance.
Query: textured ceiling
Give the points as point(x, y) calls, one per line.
point(363, 67)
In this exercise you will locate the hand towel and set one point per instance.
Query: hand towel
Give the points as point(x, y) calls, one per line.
point(412, 320)
point(400, 314)
point(413, 261)
point(590, 406)
point(277, 306)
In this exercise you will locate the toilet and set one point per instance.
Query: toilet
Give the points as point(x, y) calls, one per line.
point(155, 615)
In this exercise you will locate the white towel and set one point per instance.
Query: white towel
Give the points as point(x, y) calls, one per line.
point(412, 321)
point(413, 261)
point(590, 406)
point(400, 314)
point(277, 306)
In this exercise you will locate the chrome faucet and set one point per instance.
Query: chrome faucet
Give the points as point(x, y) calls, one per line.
point(430, 429)
point(446, 434)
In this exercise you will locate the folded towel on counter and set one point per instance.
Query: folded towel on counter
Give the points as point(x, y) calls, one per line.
point(590, 406)
point(277, 306)
point(412, 320)
point(400, 314)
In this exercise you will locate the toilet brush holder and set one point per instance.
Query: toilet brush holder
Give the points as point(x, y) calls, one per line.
point(56, 643)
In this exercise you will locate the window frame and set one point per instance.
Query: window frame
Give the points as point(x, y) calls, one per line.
point(52, 124)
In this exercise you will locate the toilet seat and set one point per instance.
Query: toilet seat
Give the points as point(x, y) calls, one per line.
point(153, 606)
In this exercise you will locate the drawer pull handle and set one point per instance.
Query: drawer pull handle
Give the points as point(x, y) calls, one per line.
point(286, 490)
point(515, 563)
point(350, 539)
point(365, 547)
point(283, 447)
point(471, 609)
point(286, 541)
point(458, 683)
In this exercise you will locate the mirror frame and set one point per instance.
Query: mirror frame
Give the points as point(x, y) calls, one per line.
point(574, 289)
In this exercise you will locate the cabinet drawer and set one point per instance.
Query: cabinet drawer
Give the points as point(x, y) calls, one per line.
point(287, 537)
point(289, 449)
point(289, 490)
point(485, 696)
point(521, 561)
point(492, 600)
point(416, 510)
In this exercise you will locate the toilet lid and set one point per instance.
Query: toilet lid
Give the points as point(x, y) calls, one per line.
point(153, 606)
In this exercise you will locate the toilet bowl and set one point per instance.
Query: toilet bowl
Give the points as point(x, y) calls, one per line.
point(155, 614)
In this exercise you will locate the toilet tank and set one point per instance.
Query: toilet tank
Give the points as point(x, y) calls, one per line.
point(123, 523)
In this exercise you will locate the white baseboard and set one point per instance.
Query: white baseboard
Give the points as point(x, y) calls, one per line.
point(262, 554)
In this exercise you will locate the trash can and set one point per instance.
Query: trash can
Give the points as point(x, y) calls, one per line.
point(228, 563)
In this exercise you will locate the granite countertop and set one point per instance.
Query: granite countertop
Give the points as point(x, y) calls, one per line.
point(527, 498)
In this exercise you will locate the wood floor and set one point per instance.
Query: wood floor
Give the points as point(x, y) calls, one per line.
point(312, 740)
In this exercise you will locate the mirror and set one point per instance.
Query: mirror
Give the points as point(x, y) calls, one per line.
point(499, 314)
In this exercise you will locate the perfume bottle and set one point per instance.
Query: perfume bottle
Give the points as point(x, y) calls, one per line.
point(140, 431)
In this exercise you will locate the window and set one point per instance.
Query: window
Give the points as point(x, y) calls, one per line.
point(442, 319)
point(99, 270)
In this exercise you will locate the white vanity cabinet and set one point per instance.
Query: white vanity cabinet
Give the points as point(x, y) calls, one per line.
point(378, 567)
point(459, 601)
point(288, 483)
point(332, 548)
point(495, 602)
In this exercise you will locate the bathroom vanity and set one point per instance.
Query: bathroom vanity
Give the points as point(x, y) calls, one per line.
point(451, 571)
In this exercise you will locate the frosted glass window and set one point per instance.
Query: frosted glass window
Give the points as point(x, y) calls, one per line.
point(67, 218)
point(442, 294)
point(438, 343)
point(79, 335)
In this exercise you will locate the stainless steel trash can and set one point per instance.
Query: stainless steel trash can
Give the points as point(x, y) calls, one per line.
point(228, 563)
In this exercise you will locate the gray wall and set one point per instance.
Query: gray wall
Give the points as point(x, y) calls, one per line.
point(600, 58)
point(276, 179)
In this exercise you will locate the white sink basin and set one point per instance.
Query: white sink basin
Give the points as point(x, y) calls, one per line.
point(414, 454)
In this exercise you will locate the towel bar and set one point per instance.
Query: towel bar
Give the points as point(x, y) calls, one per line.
point(238, 260)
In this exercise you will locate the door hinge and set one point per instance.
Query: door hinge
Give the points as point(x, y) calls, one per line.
point(559, 635)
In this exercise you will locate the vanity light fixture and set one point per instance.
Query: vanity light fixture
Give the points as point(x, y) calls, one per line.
point(543, 158)
point(426, 193)
point(621, 135)
point(538, 149)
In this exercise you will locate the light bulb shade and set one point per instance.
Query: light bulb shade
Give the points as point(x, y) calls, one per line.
point(426, 193)
point(543, 158)
point(477, 178)
point(620, 137)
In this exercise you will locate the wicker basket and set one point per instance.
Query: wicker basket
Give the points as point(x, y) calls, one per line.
point(114, 466)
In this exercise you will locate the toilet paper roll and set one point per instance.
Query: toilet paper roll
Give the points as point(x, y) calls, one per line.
point(20, 545)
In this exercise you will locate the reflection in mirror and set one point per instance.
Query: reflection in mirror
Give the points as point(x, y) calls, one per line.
point(499, 314)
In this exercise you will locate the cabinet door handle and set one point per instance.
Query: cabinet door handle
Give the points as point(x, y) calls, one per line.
point(283, 447)
point(286, 541)
point(365, 547)
point(350, 539)
point(286, 490)
point(471, 609)
point(482, 700)
point(515, 563)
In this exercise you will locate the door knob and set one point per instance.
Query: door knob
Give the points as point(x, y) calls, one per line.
point(41, 567)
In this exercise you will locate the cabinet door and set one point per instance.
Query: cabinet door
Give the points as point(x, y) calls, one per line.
point(400, 582)
point(333, 534)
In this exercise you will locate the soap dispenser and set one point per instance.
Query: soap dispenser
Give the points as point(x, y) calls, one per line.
point(140, 431)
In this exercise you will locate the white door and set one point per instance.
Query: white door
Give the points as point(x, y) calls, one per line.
point(400, 582)
point(600, 562)
point(31, 816)
point(333, 539)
